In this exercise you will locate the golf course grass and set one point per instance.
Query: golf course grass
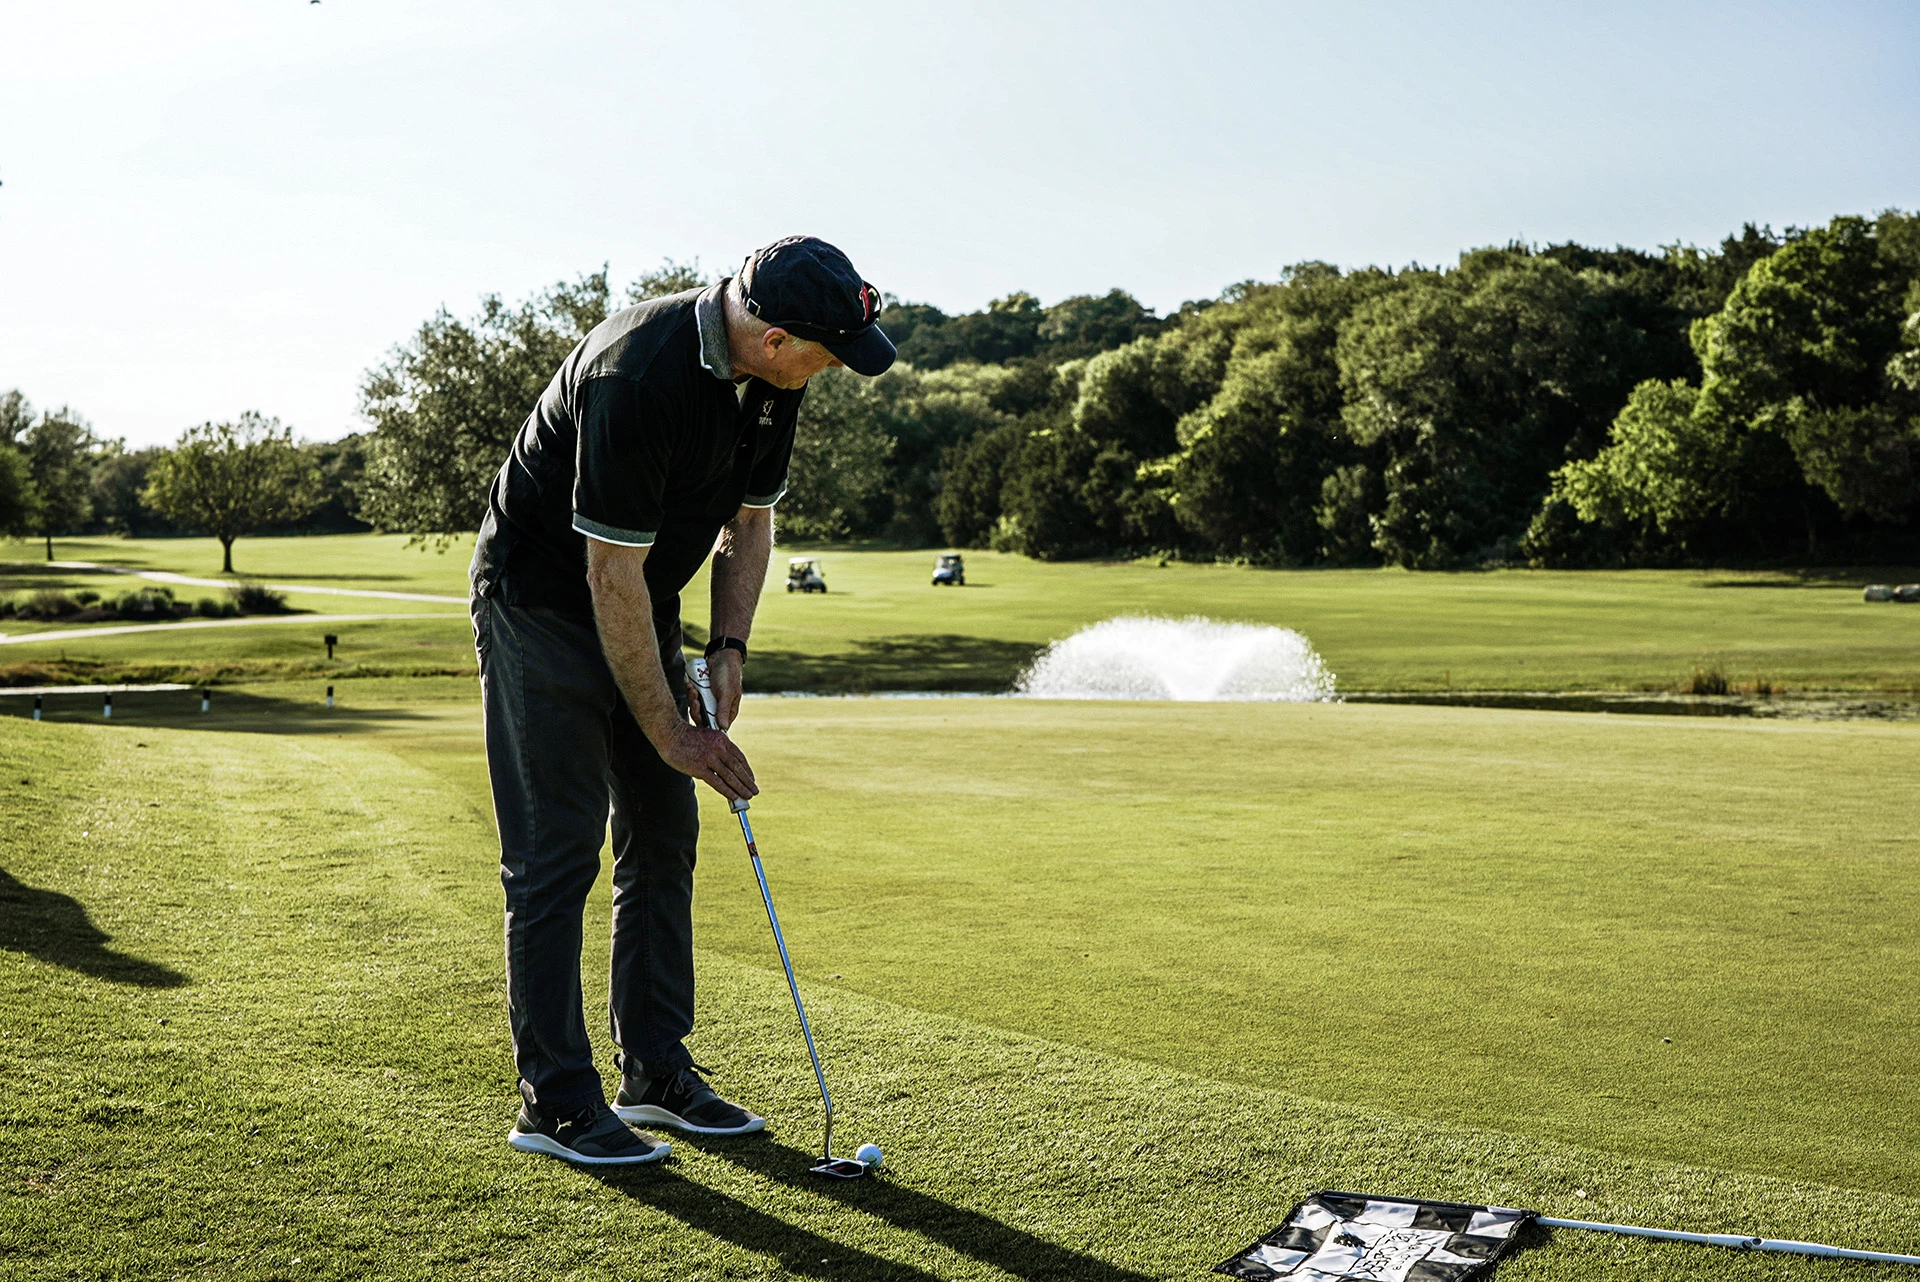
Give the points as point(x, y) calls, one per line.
point(1112, 984)
point(882, 626)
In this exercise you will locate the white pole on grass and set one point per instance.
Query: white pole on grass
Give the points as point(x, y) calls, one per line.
point(1736, 1241)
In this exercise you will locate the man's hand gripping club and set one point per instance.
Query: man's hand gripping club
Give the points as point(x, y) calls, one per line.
point(623, 613)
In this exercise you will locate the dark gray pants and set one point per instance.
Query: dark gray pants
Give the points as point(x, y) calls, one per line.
point(561, 745)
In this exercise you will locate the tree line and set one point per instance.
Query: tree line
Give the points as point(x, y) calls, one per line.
point(58, 478)
point(1557, 406)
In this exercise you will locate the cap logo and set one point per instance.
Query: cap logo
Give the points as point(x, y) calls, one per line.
point(869, 302)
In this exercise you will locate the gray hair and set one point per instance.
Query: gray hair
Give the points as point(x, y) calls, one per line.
point(756, 326)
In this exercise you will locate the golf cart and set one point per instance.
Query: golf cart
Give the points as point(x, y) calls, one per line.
point(803, 575)
point(949, 570)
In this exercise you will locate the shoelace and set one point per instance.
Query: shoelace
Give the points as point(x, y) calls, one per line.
point(698, 1085)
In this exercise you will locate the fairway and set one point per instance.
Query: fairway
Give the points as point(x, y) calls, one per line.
point(1112, 985)
point(882, 626)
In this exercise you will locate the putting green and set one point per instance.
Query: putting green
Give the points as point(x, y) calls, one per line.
point(1112, 984)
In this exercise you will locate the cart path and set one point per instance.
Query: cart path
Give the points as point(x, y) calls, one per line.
point(167, 576)
point(72, 634)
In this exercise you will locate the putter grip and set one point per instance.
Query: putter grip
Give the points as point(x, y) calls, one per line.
point(703, 686)
point(710, 714)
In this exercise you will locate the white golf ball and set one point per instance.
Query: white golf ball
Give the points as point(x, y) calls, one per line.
point(870, 1154)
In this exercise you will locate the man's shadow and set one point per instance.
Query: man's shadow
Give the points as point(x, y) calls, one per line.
point(55, 928)
point(967, 1232)
point(800, 1252)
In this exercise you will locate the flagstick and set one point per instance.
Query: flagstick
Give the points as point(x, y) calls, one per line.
point(1734, 1240)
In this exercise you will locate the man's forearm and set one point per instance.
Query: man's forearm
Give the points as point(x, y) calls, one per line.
point(623, 615)
point(740, 571)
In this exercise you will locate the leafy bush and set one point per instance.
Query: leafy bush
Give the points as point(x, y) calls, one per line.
point(143, 603)
point(1709, 681)
point(49, 603)
point(86, 596)
point(257, 598)
point(213, 608)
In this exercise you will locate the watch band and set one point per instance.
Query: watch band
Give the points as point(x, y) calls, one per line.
point(718, 644)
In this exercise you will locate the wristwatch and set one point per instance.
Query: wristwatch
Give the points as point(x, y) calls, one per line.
point(718, 644)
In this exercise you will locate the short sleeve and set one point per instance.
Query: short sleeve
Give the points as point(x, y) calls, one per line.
point(620, 471)
point(767, 482)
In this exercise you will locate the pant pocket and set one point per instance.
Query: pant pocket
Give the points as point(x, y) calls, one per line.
point(482, 613)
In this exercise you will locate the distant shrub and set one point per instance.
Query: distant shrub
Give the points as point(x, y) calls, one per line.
point(1708, 681)
point(49, 603)
point(257, 598)
point(86, 596)
point(145, 603)
point(7, 607)
point(214, 608)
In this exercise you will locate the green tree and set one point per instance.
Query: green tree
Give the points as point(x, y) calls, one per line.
point(59, 451)
point(18, 503)
point(668, 278)
point(1805, 349)
point(120, 480)
point(1668, 464)
point(231, 479)
point(1088, 324)
point(1007, 330)
point(837, 483)
point(16, 416)
point(446, 405)
point(1472, 385)
point(1802, 400)
point(1252, 480)
point(973, 474)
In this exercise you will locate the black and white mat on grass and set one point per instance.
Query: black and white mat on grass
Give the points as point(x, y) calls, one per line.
point(1337, 1237)
point(1332, 1237)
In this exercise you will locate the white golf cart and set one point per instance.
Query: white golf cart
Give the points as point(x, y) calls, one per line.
point(803, 575)
point(949, 571)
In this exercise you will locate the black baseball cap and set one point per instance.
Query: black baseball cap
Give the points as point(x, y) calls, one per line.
point(807, 287)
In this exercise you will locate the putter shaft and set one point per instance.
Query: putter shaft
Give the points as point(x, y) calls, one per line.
point(786, 964)
point(710, 717)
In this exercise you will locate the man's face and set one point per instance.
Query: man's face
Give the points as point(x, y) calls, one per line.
point(790, 364)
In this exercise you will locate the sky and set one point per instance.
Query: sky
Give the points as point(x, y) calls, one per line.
point(212, 206)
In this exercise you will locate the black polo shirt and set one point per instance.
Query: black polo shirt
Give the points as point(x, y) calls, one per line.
point(641, 439)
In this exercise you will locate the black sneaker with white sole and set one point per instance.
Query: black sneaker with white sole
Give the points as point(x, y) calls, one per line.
point(593, 1136)
point(683, 1100)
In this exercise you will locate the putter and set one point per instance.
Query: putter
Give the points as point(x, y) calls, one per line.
point(842, 1168)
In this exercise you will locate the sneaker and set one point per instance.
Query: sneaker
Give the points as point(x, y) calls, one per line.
point(592, 1137)
point(684, 1100)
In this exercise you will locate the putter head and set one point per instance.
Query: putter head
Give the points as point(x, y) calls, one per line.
point(839, 1168)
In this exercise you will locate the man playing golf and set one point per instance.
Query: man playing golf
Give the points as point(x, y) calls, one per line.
point(664, 437)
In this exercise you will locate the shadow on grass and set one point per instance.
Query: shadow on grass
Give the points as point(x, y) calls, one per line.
point(55, 928)
point(921, 662)
point(800, 1252)
point(970, 1233)
point(246, 711)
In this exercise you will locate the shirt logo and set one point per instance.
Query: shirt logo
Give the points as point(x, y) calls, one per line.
point(766, 413)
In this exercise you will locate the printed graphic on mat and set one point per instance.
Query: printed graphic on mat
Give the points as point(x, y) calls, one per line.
point(1348, 1237)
